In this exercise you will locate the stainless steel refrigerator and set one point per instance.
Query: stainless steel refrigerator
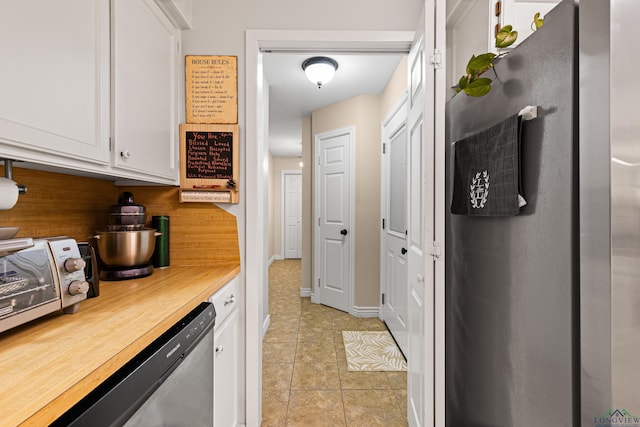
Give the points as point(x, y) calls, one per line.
point(543, 307)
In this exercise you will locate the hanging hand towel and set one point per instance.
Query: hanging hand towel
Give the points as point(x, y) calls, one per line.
point(487, 171)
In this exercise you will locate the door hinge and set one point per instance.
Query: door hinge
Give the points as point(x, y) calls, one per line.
point(435, 59)
point(318, 221)
point(382, 299)
point(318, 160)
point(383, 223)
point(384, 147)
point(318, 284)
point(436, 251)
point(110, 144)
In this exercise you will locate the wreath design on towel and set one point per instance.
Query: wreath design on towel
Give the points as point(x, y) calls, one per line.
point(479, 190)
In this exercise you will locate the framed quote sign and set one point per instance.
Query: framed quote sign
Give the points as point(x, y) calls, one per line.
point(211, 91)
point(209, 163)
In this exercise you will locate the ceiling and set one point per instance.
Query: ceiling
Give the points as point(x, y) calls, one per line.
point(292, 96)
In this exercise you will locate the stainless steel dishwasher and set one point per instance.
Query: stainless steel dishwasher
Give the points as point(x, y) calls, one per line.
point(169, 383)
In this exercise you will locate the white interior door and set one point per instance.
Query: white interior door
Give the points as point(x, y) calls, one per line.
point(334, 212)
point(292, 214)
point(393, 310)
point(425, 184)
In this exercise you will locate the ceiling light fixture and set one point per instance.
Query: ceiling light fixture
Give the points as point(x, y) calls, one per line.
point(319, 69)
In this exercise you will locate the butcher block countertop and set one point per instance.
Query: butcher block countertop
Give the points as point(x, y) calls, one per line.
point(48, 365)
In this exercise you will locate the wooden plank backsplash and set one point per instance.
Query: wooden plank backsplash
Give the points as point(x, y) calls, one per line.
point(67, 205)
point(59, 205)
point(200, 233)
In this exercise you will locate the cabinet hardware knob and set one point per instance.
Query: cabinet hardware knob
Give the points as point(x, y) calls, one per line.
point(219, 350)
point(230, 300)
point(125, 154)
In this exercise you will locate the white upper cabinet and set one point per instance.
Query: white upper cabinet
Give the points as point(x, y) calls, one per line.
point(519, 14)
point(467, 35)
point(472, 25)
point(54, 82)
point(179, 11)
point(145, 51)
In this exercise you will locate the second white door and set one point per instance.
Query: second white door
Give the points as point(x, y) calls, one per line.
point(292, 183)
point(334, 234)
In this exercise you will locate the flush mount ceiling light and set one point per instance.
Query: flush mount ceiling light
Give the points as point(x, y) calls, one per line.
point(319, 69)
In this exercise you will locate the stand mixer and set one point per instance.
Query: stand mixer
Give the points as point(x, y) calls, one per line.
point(125, 248)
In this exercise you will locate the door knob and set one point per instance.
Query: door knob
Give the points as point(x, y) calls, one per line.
point(343, 231)
point(403, 250)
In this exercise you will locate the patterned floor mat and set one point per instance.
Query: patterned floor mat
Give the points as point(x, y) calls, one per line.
point(372, 351)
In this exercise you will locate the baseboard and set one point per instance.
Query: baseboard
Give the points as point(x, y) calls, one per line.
point(305, 292)
point(276, 257)
point(365, 311)
point(265, 325)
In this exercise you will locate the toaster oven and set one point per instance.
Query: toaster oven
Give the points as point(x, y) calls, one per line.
point(38, 277)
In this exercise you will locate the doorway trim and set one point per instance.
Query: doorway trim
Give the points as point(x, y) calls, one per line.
point(283, 213)
point(315, 289)
point(255, 160)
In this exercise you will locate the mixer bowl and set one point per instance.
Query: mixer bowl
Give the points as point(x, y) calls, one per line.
point(126, 248)
point(8, 232)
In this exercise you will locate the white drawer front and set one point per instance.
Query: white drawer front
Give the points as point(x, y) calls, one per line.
point(225, 300)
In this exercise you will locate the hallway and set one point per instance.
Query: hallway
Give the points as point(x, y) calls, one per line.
point(305, 379)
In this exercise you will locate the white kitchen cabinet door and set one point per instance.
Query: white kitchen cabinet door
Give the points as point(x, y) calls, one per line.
point(467, 35)
point(145, 50)
point(519, 14)
point(178, 11)
point(471, 29)
point(225, 372)
point(54, 82)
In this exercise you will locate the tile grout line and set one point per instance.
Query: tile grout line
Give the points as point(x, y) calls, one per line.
point(295, 354)
point(335, 349)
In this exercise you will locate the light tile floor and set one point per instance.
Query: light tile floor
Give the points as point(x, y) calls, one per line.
point(305, 381)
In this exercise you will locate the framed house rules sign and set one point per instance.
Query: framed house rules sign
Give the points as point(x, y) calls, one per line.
point(211, 91)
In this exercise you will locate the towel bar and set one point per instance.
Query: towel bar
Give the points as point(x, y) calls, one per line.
point(529, 112)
